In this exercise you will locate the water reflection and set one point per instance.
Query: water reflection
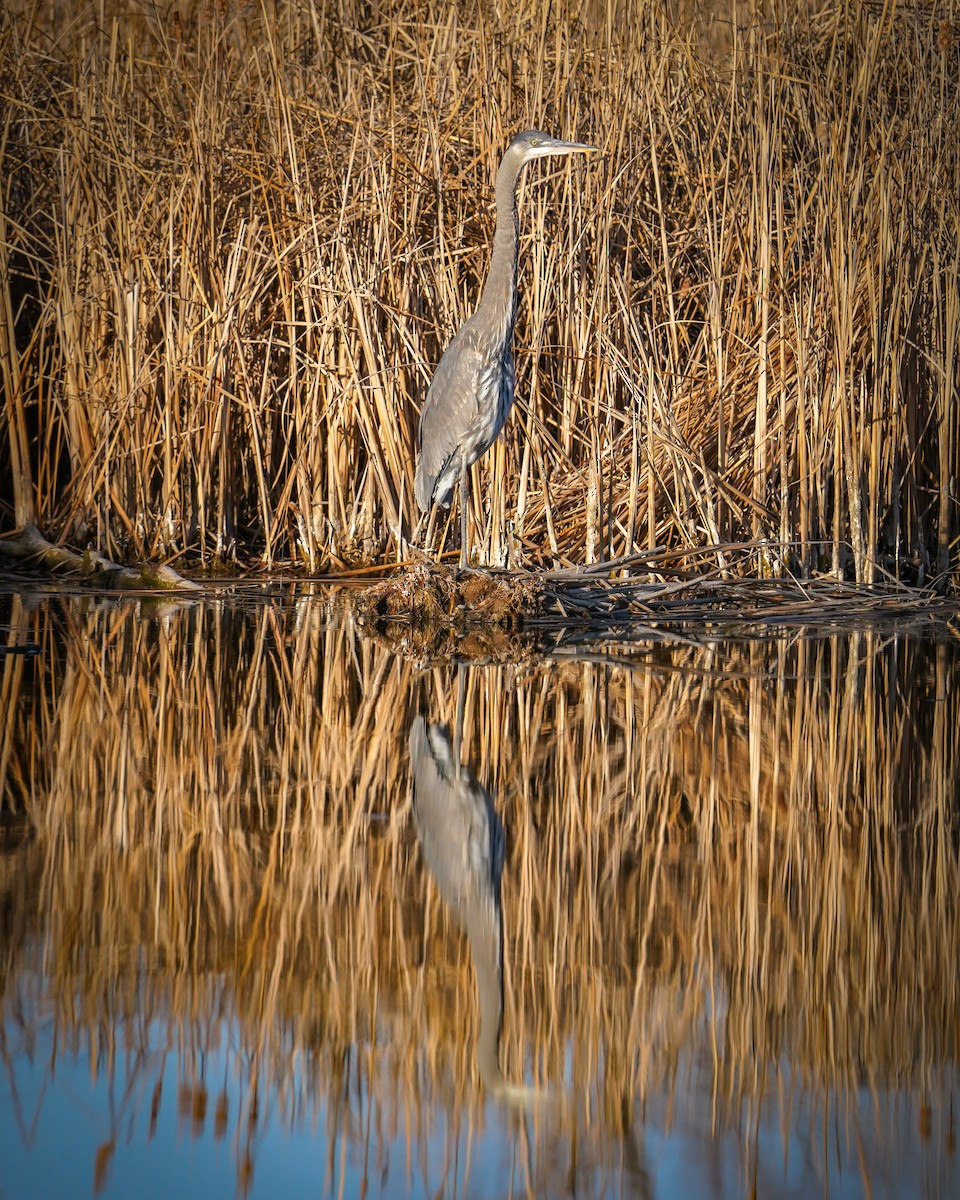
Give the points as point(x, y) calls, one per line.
point(462, 841)
point(727, 930)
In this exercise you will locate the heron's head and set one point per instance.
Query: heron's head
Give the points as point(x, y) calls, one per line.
point(534, 144)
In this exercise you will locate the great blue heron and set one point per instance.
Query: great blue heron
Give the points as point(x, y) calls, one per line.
point(473, 387)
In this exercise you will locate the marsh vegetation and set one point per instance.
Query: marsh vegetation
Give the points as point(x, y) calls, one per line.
point(235, 239)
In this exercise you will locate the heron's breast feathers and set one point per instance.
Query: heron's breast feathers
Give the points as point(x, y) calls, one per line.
point(465, 409)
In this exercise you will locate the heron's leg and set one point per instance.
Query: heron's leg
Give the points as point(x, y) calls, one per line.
point(428, 536)
point(461, 705)
point(464, 502)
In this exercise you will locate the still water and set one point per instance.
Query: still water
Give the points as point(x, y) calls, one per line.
point(284, 913)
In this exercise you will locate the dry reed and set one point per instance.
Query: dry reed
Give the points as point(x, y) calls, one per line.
point(234, 242)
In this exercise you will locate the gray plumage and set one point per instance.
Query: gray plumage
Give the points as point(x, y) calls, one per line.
point(463, 846)
point(458, 827)
point(473, 388)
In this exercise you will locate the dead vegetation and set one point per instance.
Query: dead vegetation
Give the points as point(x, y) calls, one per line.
point(234, 240)
point(429, 613)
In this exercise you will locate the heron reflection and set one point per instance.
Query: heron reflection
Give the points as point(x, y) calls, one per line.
point(462, 840)
point(463, 845)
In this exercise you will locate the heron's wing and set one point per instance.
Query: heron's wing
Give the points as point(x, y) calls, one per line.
point(438, 816)
point(460, 833)
point(434, 779)
point(449, 420)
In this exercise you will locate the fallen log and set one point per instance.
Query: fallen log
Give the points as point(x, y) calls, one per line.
point(29, 545)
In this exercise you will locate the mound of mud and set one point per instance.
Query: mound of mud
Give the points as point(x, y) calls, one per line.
point(430, 611)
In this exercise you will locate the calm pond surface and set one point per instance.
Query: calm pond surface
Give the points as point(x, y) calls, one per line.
point(283, 913)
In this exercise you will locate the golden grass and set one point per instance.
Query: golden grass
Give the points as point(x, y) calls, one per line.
point(233, 242)
point(745, 848)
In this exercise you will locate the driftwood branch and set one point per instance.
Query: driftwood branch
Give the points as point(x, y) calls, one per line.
point(93, 567)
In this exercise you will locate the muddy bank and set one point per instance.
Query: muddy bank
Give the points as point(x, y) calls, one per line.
point(430, 611)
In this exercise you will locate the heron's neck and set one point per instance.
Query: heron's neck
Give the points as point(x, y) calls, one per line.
point(499, 299)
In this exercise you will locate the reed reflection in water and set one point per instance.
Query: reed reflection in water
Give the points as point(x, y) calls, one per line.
point(729, 929)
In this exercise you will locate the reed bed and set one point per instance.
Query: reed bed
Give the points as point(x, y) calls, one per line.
point(747, 851)
point(234, 241)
